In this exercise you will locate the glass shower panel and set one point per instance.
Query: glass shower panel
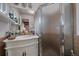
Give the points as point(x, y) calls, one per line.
point(50, 30)
point(68, 29)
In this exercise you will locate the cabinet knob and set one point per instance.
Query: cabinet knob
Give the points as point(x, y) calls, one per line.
point(6, 53)
point(24, 53)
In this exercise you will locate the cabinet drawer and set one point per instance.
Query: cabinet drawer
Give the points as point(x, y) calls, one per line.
point(32, 50)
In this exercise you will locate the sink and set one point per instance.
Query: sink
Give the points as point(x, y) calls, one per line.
point(23, 36)
point(26, 37)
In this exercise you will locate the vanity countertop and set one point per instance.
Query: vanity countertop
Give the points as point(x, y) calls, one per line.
point(22, 37)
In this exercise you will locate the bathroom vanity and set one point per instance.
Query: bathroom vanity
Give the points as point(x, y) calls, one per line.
point(26, 45)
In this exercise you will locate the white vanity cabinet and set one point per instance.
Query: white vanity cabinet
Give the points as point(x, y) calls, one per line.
point(27, 46)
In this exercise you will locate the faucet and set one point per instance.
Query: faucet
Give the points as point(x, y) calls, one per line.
point(10, 35)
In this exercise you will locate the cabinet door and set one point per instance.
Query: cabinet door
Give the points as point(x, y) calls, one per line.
point(15, 51)
point(32, 50)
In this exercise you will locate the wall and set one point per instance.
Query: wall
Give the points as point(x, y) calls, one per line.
point(76, 35)
point(3, 28)
point(35, 6)
point(76, 28)
point(77, 19)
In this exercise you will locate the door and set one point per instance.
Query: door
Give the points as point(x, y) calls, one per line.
point(50, 30)
point(47, 26)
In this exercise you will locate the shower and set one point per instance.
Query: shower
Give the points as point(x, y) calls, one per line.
point(53, 23)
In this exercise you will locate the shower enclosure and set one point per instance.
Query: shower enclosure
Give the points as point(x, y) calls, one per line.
point(54, 26)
